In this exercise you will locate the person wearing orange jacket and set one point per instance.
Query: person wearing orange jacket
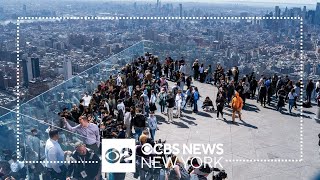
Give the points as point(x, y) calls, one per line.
point(236, 105)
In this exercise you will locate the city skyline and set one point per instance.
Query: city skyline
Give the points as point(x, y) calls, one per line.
point(273, 2)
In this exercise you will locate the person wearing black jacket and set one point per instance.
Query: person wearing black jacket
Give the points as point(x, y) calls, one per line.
point(281, 98)
point(130, 82)
point(309, 90)
point(220, 104)
point(139, 123)
point(253, 86)
point(236, 75)
point(75, 111)
point(240, 90)
point(170, 104)
point(263, 94)
point(230, 91)
point(84, 170)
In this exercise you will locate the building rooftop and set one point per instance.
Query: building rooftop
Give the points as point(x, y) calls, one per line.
point(265, 145)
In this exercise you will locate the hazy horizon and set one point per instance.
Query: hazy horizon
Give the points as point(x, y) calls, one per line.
point(310, 2)
point(282, 3)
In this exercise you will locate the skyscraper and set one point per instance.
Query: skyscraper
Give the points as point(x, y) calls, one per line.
point(31, 69)
point(304, 12)
point(67, 68)
point(2, 84)
point(25, 73)
point(180, 7)
point(35, 67)
point(277, 11)
point(317, 14)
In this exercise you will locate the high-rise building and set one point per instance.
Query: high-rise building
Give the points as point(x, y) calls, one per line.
point(35, 67)
point(67, 68)
point(304, 12)
point(31, 69)
point(180, 8)
point(219, 36)
point(317, 14)
point(135, 5)
point(277, 11)
point(2, 84)
point(25, 73)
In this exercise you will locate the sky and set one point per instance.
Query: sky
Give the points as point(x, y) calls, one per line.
point(239, 1)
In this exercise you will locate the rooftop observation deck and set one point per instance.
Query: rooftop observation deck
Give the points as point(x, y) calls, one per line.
point(265, 145)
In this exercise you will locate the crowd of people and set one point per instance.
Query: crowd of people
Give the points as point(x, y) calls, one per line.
point(125, 106)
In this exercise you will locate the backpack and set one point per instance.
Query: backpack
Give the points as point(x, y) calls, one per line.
point(120, 115)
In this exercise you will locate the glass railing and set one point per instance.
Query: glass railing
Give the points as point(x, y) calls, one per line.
point(42, 111)
point(8, 136)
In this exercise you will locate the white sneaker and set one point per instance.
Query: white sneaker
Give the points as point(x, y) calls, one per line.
point(217, 118)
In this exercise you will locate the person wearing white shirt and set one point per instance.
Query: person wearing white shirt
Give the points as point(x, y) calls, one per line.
point(119, 80)
point(121, 106)
point(296, 88)
point(127, 122)
point(106, 105)
point(182, 69)
point(16, 167)
point(54, 157)
point(201, 72)
point(153, 124)
point(146, 102)
point(178, 103)
point(201, 69)
point(292, 97)
point(86, 98)
point(318, 85)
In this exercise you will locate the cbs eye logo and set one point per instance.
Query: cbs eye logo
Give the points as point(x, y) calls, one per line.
point(114, 156)
point(118, 155)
